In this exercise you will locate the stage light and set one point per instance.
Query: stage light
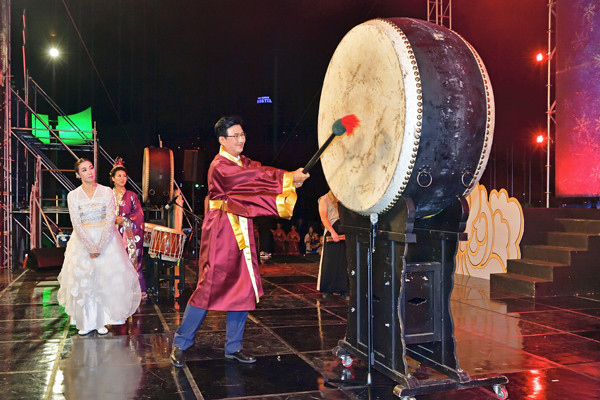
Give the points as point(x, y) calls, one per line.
point(539, 57)
point(539, 139)
point(54, 53)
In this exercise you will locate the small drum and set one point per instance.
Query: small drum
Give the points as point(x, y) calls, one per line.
point(167, 242)
point(427, 116)
point(148, 228)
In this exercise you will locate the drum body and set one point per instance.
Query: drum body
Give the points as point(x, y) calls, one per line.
point(157, 175)
point(427, 116)
point(167, 242)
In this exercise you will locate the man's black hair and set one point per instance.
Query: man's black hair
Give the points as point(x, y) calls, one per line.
point(225, 123)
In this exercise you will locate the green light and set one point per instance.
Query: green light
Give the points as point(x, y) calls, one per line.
point(81, 120)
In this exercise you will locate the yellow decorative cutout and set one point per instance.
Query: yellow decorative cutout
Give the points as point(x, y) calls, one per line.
point(495, 229)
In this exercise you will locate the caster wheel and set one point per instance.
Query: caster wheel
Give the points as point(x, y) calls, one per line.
point(347, 361)
point(407, 398)
point(500, 391)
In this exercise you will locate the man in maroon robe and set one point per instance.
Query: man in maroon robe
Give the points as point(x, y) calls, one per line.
point(239, 189)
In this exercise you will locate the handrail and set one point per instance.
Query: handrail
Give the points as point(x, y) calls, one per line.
point(61, 178)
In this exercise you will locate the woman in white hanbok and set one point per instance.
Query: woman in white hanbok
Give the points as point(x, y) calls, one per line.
point(98, 284)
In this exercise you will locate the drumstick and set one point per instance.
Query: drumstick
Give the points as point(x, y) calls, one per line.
point(340, 126)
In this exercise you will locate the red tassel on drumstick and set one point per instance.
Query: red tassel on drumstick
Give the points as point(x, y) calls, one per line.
point(340, 126)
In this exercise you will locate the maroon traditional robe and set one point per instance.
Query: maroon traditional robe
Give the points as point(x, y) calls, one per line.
point(249, 190)
point(293, 241)
point(279, 241)
point(130, 208)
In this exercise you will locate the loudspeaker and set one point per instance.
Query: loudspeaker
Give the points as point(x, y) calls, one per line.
point(194, 166)
point(157, 176)
point(46, 257)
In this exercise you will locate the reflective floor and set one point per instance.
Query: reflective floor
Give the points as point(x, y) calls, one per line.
point(548, 348)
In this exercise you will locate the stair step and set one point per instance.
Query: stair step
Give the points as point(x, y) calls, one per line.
point(576, 225)
point(579, 241)
point(535, 268)
point(520, 284)
point(554, 254)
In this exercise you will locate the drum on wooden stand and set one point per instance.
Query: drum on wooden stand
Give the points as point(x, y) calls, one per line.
point(165, 251)
point(166, 243)
point(427, 116)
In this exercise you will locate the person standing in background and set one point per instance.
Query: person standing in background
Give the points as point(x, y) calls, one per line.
point(129, 219)
point(333, 275)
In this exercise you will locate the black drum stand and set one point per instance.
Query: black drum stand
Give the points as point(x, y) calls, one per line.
point(165, 270)
point(399, 305)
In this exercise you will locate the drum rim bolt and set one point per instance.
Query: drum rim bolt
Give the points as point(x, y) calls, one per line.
point(462, 179)
point(424, 171)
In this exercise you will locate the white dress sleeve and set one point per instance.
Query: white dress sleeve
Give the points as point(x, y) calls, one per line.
point(109, 227)
point(73, 204)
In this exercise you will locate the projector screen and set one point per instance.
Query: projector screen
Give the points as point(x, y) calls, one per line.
point(577, 139)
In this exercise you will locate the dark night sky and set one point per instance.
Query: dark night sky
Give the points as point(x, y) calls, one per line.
point(172, 68)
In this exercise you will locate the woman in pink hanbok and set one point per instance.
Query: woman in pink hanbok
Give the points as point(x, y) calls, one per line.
point(129, 219)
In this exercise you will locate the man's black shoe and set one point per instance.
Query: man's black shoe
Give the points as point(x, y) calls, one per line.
point(241, 356)
point(177, 357)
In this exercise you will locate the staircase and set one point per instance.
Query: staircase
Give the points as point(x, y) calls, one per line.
point(565, 261)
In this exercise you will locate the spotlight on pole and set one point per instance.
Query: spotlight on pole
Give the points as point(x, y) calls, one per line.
point(539, 57)
point(54, 53)
point(539, 139)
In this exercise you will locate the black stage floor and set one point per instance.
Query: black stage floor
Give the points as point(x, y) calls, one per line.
point(548, 348)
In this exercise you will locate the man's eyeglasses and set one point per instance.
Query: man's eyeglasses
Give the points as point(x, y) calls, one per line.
point(238, 136)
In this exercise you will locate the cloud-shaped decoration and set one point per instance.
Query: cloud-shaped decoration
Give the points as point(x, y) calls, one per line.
point(495, 229)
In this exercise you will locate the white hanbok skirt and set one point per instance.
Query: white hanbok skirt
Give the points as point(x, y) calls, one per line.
point(98, 291)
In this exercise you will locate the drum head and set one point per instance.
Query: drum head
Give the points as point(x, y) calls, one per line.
point(367, 76)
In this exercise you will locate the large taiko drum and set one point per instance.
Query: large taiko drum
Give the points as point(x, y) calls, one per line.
point(157, 176)
point(427, 116)
point(167, 242)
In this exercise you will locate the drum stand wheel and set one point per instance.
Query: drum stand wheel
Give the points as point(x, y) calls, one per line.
point(500, 391)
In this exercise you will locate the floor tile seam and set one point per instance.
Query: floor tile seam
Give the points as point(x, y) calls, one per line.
point(589, 298)
point(558, 330)
point(583, 337)
point(293, 294)
point(28, 304)
point(64, 316)
point(186, 370)
point(569, 367)
point(313, 303)
point(12, 283)
point(52, 378)
point(30, 341)
point(333, 323)
point(578, 312)
point(272, 395)
point(33, 371)
point(289, 346)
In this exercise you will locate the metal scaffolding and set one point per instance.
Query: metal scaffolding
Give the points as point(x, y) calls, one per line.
point(551, 103)
point(26, 159)
point(440, 12)
point(6, 198)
